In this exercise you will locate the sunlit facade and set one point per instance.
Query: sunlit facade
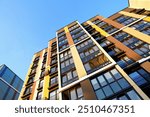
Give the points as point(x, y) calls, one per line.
point(99, 59)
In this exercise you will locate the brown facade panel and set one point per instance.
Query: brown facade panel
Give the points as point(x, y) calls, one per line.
point(113, 23)
point(33, 91)
point(87, 89)
point(128, 9)
point(146, 66)
point(129, 52)
point(69, 37)
point(113, 17)
point(49, 53)
point(70, 40)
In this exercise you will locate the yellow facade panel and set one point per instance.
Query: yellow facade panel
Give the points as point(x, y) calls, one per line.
point(131, 14)
point(78, 63)
point(138, 34)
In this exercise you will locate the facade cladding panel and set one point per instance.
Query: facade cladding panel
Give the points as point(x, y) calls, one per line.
point(10, 84)
point(99, 59)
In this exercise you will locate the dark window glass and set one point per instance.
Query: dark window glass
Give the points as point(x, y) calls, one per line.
point(115, 87)
point(10, 94)
point(39, 96)
point(123, 83)
point(109, 83)
point(133, 95)
point(3, 89)
point(107, 90)
point(8, 76)
point(100, 95)
point(53, 95)
point(53, 80)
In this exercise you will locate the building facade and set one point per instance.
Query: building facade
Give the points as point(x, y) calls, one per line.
point(10, 84)
point(99, 59)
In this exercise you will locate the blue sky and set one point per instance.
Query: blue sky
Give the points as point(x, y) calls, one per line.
point(26, 26)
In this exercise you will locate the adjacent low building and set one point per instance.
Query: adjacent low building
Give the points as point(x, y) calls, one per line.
point(10, 84)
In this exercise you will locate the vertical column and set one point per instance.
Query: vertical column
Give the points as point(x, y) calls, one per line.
point(45, 92)
point(59, 74)
point(70, 40)
point(75, 55)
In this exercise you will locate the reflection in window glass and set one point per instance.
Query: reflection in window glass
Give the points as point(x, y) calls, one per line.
point(101, 80)
point(108, 77)
point(123, 83)
point(73, 94)
point(107, 90)
point(87, 66)
point(133, 95)
point(69, 75)
point(54, 95)
point(79, 92)
point(100, 95)
point(116, 88)
point(116, 74)
point(123, 98)
point(95, 84)
point(137, 78)
point(8, 76)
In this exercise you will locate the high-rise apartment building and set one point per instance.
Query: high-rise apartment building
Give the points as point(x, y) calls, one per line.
point(99, 59)
point(10, 84)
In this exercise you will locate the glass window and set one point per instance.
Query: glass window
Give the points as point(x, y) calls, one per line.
point(107, 90)
point(67, 63)
point(54, 95)
point(10, 95)
point(53, 80)
point(62, 65)
point(137, 78)
point(28, 90)
point(101, 80)
point(74, 73)
point(95, 84)
point(108, 77)
point(3, 89)
point(8, 75)
point(69, 75)
point(73, 94)
point(16, 96)
point(79, 92)
point(133, 95)
point(87, 66)
point(39, 96)
point(95, 48)
point(123, 98)
point(41, 84)
point(116, 74)
point(16, 82)
point(100, 95)
point(64, 79)
point(115, 87)
point(144, 74)
point(30, 80)
point(123, 83)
